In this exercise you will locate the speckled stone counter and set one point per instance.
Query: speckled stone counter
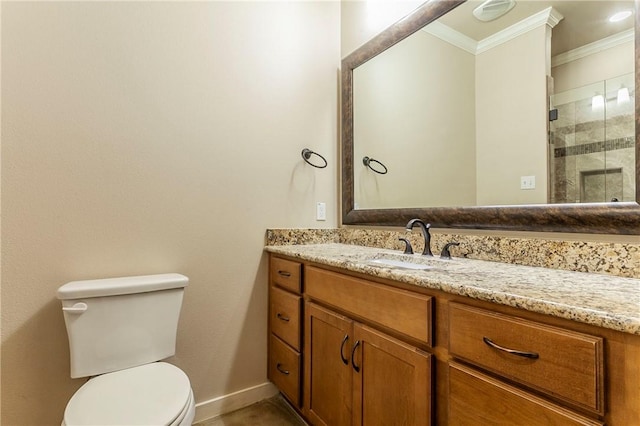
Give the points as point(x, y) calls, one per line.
point(618, 259)
point(601, 300)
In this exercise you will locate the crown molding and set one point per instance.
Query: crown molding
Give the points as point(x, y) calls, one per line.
point(451, 36)
point(548, 16)
point(595, 47)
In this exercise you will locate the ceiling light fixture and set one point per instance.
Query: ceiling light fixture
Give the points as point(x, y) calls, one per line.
point(619, 16)
point(597, 102)
point(623, 95)
point(493, 9)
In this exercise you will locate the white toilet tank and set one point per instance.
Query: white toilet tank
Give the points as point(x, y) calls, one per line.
point(118, 323)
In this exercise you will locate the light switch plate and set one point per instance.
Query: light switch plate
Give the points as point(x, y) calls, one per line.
point(321, 211)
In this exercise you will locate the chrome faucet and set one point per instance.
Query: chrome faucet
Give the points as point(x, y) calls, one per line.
point(424, 227)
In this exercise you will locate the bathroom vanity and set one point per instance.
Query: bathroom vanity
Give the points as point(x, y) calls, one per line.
point(358, 335)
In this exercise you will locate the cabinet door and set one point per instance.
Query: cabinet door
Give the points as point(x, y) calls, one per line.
point(391, 381)
point(327, 371)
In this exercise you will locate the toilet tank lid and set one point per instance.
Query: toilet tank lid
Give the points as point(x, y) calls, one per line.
point(119, 286)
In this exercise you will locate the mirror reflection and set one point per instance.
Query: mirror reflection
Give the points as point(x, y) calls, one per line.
point(532, 107)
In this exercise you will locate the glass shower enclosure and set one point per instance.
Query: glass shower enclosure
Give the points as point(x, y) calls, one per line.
point(592, 143)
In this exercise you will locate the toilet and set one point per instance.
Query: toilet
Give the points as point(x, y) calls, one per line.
point(119, 331)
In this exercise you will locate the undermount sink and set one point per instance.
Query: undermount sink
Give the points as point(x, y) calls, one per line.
point(414, 262)
point(392, 263)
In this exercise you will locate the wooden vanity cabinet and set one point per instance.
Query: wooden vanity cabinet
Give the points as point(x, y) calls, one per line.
point(347, 350)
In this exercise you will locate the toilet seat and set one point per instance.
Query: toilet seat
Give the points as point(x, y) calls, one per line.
point(185, 418)
point(151, 394)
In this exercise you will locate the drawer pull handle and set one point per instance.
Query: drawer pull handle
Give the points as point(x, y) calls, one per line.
point(353, 351)
point(532, 355)
point(279, 367)
point(282, 317)
point(345, 361)
point(284, 273)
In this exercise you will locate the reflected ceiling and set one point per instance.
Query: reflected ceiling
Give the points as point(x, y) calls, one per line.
point(569, 34)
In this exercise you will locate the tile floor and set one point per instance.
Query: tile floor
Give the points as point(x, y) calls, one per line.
point(269, 412)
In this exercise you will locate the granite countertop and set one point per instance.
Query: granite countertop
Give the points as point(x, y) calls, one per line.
point(601, 300)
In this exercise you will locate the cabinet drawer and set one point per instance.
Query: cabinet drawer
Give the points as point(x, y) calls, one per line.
point(476, 399)
point(284, 369)
point(403, 311)
point(562, 363)
point(284, 312)
point(286, 274)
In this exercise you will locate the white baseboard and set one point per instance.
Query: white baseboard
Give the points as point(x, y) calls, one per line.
point(224, 404)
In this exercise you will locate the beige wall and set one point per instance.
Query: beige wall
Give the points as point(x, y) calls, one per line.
point(597, 67)
point(152, 137)
point(361, 20)
point(416, 114)
point(511, 122)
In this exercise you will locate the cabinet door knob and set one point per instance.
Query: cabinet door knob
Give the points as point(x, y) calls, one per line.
point(279, 367)
point(489, 342)
point(345, 361)
point(353, 351)
point(282, 317)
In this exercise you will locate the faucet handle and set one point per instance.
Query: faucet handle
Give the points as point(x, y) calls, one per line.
point(445, 254)
point(407, 246)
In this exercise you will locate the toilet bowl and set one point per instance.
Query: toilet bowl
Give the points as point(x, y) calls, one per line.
point(151, 394)
point(119, 330)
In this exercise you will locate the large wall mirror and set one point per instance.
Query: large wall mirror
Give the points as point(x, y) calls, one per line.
point(523, 121)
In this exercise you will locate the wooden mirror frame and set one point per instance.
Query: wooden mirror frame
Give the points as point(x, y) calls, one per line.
point(600, 218)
